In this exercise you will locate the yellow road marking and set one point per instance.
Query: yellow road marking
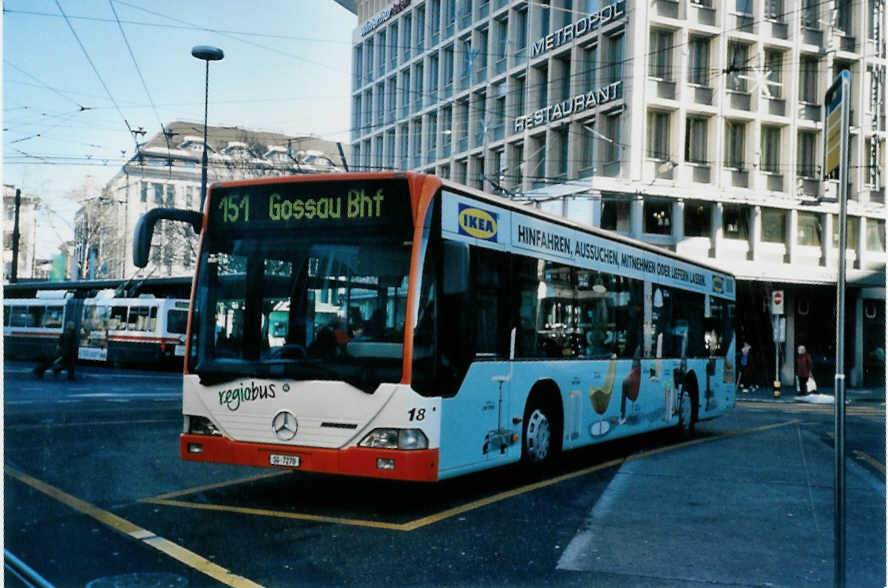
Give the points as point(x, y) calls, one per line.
point(281, 514)
point(206, 487)
point(164, 499)
point(177, 552)
point(873, 462)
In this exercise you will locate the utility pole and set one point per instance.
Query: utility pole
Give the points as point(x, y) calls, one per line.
point(15, 236)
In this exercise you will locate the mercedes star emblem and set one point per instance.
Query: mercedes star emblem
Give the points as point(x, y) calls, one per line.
point(284, 425)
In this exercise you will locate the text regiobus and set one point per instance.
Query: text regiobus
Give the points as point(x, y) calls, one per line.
point(402, 326)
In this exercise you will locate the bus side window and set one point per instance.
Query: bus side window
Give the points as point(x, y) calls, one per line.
point(490, 303)
point(151, 324)
point(5, 315)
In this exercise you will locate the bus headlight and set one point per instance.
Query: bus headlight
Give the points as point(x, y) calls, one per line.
point(395, 439)
point(198, 425)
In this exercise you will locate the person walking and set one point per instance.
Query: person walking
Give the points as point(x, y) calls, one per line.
point(66, 354)
point(804, 367)
point(746, 382)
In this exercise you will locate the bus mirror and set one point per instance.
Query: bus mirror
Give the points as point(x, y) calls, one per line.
point(456, 267)
point(512, 344)
point(145, 229)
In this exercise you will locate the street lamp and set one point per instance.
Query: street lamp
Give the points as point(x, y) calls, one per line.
point(207, 54)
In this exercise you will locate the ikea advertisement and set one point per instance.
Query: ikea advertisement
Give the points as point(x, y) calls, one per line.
point(485, 225)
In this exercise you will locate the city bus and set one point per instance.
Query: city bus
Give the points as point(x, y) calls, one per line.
point(401, 326)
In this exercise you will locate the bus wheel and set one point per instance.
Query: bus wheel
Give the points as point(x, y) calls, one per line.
point(537, 448)
point(687, 413)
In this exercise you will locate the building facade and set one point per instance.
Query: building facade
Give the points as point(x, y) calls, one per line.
point(166, 171)
point(695, 125)
point(27, 264)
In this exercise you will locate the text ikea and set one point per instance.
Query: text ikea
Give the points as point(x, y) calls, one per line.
point(477, 223)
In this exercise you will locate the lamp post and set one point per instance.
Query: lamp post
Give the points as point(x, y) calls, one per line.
point(207, 54)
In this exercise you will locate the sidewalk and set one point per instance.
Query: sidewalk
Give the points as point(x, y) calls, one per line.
point(754, 509)
point(824, 395)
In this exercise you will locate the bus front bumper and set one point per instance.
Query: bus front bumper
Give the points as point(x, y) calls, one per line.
point(415, 466)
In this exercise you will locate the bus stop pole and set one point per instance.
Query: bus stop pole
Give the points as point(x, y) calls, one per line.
point(839, 507)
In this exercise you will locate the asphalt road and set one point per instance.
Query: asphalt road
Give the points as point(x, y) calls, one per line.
point(95, 495)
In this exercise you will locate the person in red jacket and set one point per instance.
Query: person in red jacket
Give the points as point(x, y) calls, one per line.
point(804, 365)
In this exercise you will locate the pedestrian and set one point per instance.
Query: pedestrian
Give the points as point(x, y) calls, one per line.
point(66, 354)
point(804, 366)
point(746, 382)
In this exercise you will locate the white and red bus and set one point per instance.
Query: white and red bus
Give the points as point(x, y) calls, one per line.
point(397, 325)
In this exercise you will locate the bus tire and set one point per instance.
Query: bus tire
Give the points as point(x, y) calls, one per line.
point(541, 439)
point(687, 407)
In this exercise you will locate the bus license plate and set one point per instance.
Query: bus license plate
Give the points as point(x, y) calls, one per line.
point(289, 461)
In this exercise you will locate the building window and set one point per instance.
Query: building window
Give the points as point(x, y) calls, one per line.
point(851, 225)
point(697, 219)
point(774, 10)
point(158, 193)
point(810, 19)
point(810, 229)
point(661, 54)
point(735, 222)
point(696, 140)
point(738, 58)
point(771, 149)
point(587, 157)
point(698, 61)
point(171, 195)
point(560, 163)
point(143, 195)
point(657, 217)
point(875, 235)
point(807, 167)
point(773, 225)
point(773, 78)
point(744, 6)
point(613, 130)
point(615, 215)
point(735, 135)
point(808, 75)
point(658, 135)
point(614, 58)
point(843, 18)
point(590, 62)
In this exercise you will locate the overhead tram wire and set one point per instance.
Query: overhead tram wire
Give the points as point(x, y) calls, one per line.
point(95, 69)
point(45, 85)
point(129, 48)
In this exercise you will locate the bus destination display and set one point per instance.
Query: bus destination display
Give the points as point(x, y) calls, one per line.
point(326, 204)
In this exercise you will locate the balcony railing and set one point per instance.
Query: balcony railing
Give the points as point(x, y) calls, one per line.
point(667, 8)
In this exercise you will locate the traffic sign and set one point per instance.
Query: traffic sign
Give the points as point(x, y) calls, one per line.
point(836, 124)
point(777, 302)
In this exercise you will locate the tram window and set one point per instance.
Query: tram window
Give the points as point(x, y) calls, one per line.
point(177, 321)
point(53, 317)
point(152, 319)
point(35, 318)
point(19, 316)
point(139, 319)
point(117, 320)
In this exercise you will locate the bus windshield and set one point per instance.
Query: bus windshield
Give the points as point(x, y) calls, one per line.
point(326, 306)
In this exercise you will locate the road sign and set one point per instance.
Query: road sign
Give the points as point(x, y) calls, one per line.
point(836, 125)
point(777, 302)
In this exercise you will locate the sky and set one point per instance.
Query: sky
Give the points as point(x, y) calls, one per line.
point(73, 87)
